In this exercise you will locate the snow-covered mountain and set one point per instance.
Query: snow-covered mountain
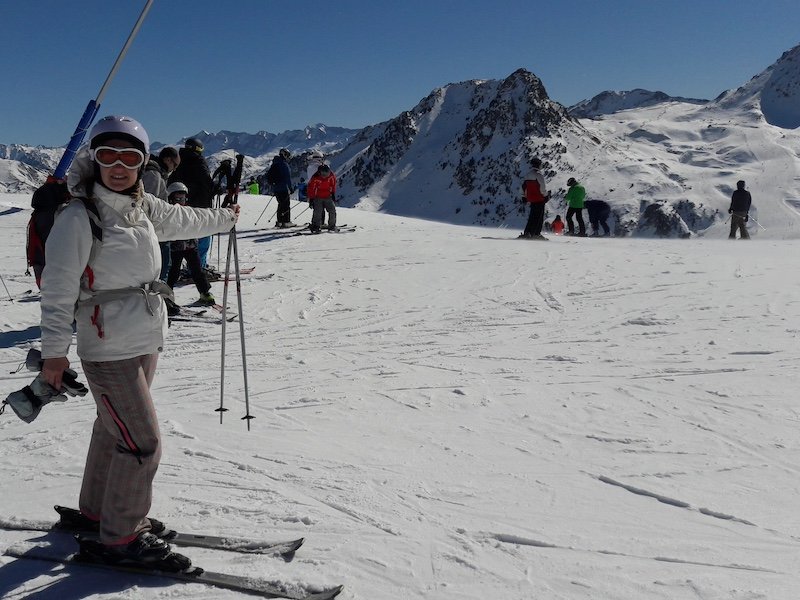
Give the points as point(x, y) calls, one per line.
point(23, 168)
point(610, 102)
point(314, 137)
point(775, 93)
point(667, 168)
point(667, 165)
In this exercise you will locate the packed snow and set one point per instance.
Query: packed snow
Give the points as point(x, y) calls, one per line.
point(445, 412)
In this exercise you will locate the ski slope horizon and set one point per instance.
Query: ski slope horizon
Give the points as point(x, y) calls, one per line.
point(460, 154)
point(446, 412)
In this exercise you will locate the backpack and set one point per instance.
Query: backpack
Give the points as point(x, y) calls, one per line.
point(47, 201)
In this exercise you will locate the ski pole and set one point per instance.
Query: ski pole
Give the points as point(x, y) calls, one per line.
point(757, 223)
point(265, 210)
point(216, 205)
point(94, 105)
point(4, 285)
point(234, 249)
point(302, 211)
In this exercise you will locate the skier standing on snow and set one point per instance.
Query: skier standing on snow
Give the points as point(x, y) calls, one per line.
point(109, 287)
point(536, 195)
point(253, 187)
point(599, 211)
point(739, 211)
point(168, 160)
point(574, 199)
point(186, 250)
point(193, 172)
point(280, 178)
point(322, 195)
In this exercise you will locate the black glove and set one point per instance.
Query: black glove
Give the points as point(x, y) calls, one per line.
point(746, 218)
point(333, 197)
point(730, 211)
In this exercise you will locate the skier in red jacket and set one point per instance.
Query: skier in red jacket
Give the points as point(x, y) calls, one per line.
point(536, 195)
point(322, 195)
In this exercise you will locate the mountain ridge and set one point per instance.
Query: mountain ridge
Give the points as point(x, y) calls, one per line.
point(665, 164)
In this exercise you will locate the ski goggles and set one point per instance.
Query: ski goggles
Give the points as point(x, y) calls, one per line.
point(106, 156)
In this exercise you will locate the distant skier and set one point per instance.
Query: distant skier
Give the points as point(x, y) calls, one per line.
point(322, 195)
point(192, 170)
point(536, 195)
point(181, 250)
point(280, 178)
point(599, 211)
point(252, 187)
point(557, 226)
point(575, 202)
point(739, 211)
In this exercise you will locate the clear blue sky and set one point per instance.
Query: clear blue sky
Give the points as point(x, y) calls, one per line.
point(250, 65)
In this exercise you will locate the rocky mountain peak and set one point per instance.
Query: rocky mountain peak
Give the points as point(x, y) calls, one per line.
point(775, 92)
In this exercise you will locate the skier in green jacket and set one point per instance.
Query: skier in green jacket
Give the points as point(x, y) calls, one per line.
point(574, 199)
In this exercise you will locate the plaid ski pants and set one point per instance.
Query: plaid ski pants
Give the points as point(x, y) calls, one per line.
point(125, 448)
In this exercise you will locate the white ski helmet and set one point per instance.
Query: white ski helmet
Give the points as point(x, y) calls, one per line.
point(119, 126)
point(177, 187)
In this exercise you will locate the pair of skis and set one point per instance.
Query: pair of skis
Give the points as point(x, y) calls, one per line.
point(202, 316)
point(248, 585)
point(339, 229)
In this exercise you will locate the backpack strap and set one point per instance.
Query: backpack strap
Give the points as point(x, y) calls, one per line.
point(94, 218)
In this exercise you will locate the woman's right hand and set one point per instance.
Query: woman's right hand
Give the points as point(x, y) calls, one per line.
point(53, 369)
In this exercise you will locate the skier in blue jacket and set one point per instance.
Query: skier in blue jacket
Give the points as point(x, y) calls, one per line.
point(280, 178)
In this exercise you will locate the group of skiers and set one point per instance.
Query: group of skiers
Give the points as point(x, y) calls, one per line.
point(599, 211)
point(320, 190)
point(537, 196)
point(183, 177)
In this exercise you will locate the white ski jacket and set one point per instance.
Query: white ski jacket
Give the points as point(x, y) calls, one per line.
point(134, 322)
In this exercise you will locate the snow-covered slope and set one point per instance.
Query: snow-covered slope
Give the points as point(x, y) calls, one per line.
point(611, 102)
point(445, 416)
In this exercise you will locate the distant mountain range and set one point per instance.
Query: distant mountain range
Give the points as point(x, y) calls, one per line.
point(608, 103)
point(667, 165)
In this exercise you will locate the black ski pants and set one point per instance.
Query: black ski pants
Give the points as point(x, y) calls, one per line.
point(195, 270)
point(578, 213)
point(535, 219)
point(284, 208)
point(738, 222)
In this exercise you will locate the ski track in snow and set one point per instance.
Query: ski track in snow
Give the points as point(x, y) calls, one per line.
point(442, 416)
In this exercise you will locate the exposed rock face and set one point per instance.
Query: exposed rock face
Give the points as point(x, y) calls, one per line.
point(467, 145)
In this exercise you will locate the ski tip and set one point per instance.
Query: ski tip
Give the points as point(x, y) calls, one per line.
point(326, 595)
